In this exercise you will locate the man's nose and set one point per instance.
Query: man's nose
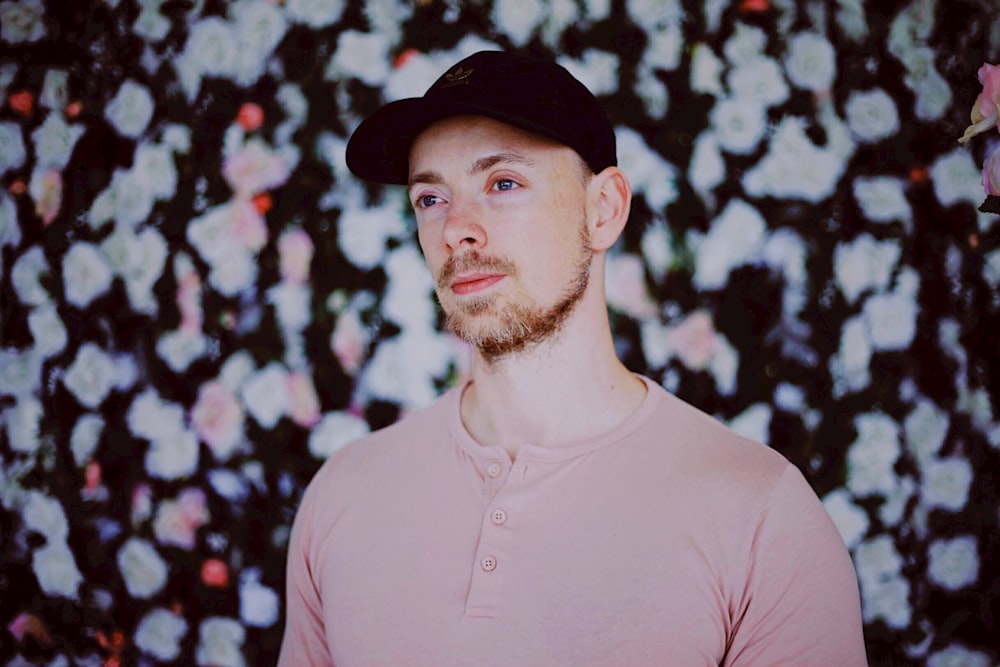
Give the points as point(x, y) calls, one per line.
point(463, 227)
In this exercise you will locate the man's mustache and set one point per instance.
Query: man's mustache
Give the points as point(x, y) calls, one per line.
point(472, 262)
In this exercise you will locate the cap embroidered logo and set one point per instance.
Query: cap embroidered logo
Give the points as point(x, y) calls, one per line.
point(458, 76)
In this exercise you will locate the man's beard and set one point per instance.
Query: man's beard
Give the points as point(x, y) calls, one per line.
point(500, 330)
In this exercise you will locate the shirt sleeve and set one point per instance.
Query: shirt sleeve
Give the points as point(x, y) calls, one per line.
point(304, 640)
point(801, 605)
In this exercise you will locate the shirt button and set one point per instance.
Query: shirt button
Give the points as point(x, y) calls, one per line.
point(488, 563)
point(498, 516)
point(493, 469)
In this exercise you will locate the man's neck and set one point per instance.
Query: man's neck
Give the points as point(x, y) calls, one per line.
point(561, 391)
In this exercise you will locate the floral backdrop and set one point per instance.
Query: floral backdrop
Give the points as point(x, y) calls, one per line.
point(199, 303)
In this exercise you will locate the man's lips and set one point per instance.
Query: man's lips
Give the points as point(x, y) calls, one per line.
point(475, 282)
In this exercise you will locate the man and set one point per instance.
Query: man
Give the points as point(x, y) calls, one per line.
point(556, 509)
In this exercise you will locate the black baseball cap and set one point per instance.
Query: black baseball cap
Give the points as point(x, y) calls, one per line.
point(529, 93)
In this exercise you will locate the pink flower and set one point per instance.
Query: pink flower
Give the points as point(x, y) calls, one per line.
point(254, 168)
point(986, 111)
point(217, 417)
point(694, 340)
point(248, 225)
point(29, 625)
point(295, 249)
point(991, 173)
point(215, 573)
point(626, 286)
point(349, 342)
point(46, 189)
point(177, 521)
point(304, 404)
point(142, 503)
point(189, 300)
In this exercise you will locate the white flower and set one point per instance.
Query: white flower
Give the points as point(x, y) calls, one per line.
point(403, 368)
point(314, 13)
point(180, 347)
point(707, 168)
point(957, 655)
point(753, 423)
point(882, 198)
point(22, 424)
point(26, 277)
point(91, 376)
point(877, 559)
point(362, 55)
point(362, 232)
point(56, 570)
point(152, 418)
point(932, 91)
point(746, 43)
point(706, 70)
point(159, 634)
point(739, 124)
point(176, 137)
point(789, 398)
point(956, 178)
point(891, 320)
point(518, 19)
point(625, 285)
point(598, 71)
point(130, 110)
point(142, 569)
point(44, 514)
point(20, 372)
point(219, 643)
point(177, 520)
point(946, 483)
point(212, 47)
point(851, 18)
point(864, 264)
point(723, 366)
point(651, 91)
point(85, 437)
point(258, 603)
point(888, 600)
point(238, 367)
point(127, 200)
point(260, 26)
point(233, 271)
point(54, 140)
point(173, 458)
point(407, 300)
point(154, 167)
point(872, 455)
point(735, 238)
point(335, 430)
point(810, 61)
point(872, 115)
point(12, 151)
point(656, 248)
point(10, 229)
point(953, 564)
point(265, 394)
point(653, 15)
point(664, 48)
point(925, 429)
point(785, 251)
point(895, 505)
point(255, 167)
point(151, 24)
point(292, 303)
point(387, 17)
point(851, 521)
point(758, 80)
point(48, 330)
point(21, 21)
point(86, 274)
point(850, 364)
point(649, 173)
point(794, 167)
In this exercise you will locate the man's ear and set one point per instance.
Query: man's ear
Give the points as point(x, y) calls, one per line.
point(610, 195)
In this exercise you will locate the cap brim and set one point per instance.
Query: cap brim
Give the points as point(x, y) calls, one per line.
point(379, 149)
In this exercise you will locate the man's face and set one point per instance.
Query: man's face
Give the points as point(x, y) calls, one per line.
point(501, 220)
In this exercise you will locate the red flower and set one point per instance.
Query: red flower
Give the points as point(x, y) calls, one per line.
point(250, 116)
point(754, 6)
point(23, 102)
point(214, 573)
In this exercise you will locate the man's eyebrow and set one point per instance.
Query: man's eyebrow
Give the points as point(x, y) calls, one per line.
point(489, 161)
point(482, 164)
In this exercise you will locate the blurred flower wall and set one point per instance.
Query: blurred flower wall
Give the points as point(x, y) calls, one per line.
point(200, 303)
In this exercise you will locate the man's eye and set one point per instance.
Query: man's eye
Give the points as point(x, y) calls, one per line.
point(425, 201)
point(505, 184)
